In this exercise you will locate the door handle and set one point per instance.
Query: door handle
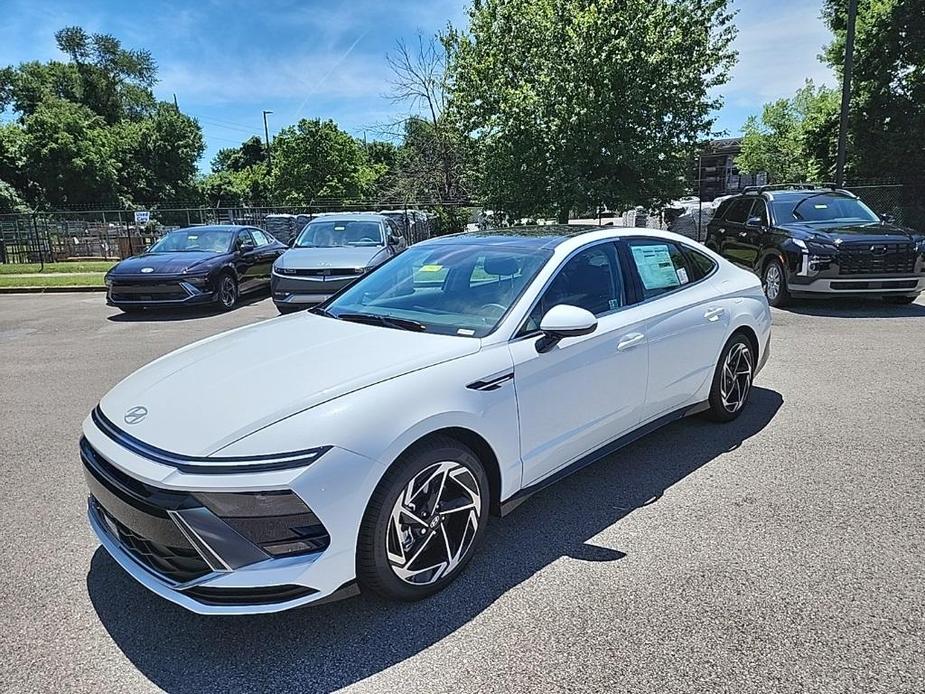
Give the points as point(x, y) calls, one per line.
point(713, 314)
point(743, 234)
point(630, 340)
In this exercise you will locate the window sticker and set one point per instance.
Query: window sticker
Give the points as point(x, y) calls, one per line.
point(682, 275)
point(655, 267)
point(614, 304)
point(431, 268)
point(821, 206)
point(465, 331)
point(341, 228)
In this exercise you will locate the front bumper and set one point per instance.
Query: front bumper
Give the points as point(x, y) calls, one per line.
point(859, 285)
point(161, 291)
point(336, 488)
point(311, 289)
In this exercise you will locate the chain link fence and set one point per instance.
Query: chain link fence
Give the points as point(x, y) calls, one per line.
point(904, 203)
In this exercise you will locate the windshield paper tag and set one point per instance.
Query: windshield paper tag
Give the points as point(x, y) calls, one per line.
point(431, 268)
point(465, 331)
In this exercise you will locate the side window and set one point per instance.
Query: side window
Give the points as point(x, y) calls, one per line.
point(738, 212)
point(722, 210)
point(760, 210)
point(259, 238)
point(701, 264)
point(662, 266)
point(244, 236)
point(590, 280)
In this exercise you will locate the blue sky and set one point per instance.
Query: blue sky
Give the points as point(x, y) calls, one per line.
point(227, 60)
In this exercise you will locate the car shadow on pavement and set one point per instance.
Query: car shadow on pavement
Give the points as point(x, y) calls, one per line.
point(157, 315)
point(331, 646)
point(854, 308)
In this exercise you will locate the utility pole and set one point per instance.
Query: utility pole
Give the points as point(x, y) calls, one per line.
point(845, 94)
point(175, 104)
point(266, 134)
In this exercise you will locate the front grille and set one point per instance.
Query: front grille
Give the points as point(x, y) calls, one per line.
point(322, 272)
point(876, 258)
point(136, 516)
point(178, 563)
point(148, 291)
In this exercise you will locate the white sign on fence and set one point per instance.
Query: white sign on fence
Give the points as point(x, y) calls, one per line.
point(142, 216)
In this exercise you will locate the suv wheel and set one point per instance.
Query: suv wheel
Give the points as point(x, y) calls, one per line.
point(774, 282)
point(423, 521)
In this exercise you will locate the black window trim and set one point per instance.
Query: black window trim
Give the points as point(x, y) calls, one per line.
point(638, 280)
point(615, 241)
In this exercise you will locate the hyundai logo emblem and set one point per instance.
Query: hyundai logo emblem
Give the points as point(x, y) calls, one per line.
point(135, 415)
point(147, 269)
point(878, 250)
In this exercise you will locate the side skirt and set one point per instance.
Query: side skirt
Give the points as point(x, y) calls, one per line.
point(518, 498)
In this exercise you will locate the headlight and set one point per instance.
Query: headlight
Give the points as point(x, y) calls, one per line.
point(107, 280)
point(361, 270)
point(200, 281)
point(278, 522)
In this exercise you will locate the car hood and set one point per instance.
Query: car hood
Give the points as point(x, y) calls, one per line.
point(165, 263)
point(338, 257)
point(865, 233)
point(207, 395)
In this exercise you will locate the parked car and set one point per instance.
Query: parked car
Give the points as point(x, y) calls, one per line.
point(329, 253)
point(450, 384)
point(192, 266)
point(818, 241)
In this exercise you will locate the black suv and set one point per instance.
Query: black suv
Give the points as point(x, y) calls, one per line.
point(809, 240)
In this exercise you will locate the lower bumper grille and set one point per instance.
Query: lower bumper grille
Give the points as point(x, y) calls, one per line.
point(248, 596)
point(876, 258)
point(160, 291)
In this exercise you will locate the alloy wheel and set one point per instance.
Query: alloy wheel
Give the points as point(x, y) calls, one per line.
point(737, 377)
point(433, 523)
point(226, 292)
point(772, 280)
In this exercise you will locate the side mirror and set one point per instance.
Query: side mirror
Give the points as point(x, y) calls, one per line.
point(888, 218)
point(292, 241)
point(246, 246)
point(754, 223)
point(564, 321)
point(395, 240)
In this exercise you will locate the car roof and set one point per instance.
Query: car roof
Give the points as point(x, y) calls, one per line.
point(350, 216)
point(216, 227)
point(545, 237)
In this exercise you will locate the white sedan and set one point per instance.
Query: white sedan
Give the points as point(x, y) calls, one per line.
point(365, 443)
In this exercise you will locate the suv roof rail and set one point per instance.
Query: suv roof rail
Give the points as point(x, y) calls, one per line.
point(754, 190)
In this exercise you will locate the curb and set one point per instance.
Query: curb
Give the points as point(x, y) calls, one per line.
point(50, 290)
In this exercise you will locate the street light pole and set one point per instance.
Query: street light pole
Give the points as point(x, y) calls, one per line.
point(266, 134)
point(845, 94)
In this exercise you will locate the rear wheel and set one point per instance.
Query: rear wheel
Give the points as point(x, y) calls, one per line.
point(732, 380)
point(423, 521)
point(899, 299)
point(227, 292)
point(774, 282)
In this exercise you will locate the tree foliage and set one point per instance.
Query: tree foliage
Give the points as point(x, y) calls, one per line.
point(794, 139)
point(91, 131)
point(887, 117)
point(577, 103)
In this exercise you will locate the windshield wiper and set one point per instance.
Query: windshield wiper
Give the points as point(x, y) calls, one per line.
point(387, 321)
point(322, 312)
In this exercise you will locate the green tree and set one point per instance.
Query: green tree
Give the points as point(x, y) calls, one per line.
point(250, 153)
point(316, 159)
point(887, 117)
point(794, 138)
point(577, 103)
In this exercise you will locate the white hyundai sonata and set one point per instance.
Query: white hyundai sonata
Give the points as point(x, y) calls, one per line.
point(364, 443)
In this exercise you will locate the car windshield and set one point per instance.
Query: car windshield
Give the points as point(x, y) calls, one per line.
point(209, 240)
point(823, 207)
point(333, 233)
point(448, 289)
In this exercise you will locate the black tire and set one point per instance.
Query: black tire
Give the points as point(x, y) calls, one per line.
point(781, 295)
point(901, 300)
point(720, 410)
point(375, 571)
point(227, 291)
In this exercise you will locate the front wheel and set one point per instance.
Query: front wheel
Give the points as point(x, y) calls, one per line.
point(732, 380)
point(774, 282)
point(423, 521)
point(227, 292)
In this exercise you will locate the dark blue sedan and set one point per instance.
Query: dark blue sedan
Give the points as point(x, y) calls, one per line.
point(197, 265)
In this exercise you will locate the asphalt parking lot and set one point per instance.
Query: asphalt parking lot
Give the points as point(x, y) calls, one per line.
point(782, 552)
